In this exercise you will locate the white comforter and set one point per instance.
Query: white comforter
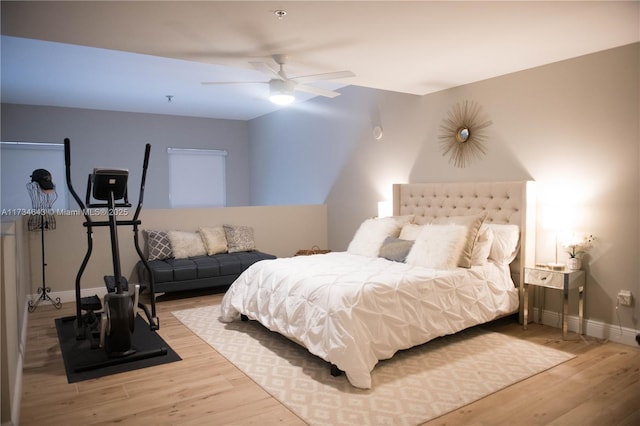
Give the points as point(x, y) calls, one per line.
point(353, 310)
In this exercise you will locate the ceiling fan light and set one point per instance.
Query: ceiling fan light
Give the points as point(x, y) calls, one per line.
point(282, 98)
point(281, 92)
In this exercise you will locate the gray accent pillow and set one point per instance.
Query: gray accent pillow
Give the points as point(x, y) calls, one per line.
point(158, 245)
point(239, 238)
point(395, 249)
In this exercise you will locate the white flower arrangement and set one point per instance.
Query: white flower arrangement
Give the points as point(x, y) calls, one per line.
point(577, 245)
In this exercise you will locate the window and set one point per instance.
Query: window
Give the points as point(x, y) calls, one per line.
point(19, 160)
point(197, 177)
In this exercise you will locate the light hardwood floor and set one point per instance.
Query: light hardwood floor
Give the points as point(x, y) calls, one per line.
point(600, 386)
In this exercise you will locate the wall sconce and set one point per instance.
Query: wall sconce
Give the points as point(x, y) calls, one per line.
point(376, 123)
point(385, 209)
point(377, 133)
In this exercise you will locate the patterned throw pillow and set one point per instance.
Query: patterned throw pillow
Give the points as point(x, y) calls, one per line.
point(239, 238)
point(158, 245)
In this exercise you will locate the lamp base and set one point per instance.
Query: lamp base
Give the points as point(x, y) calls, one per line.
point(556, 266)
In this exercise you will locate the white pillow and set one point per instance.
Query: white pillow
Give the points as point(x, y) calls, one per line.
point(410, 231)
point(186, 244)
point(482, 247)
point(473, 224)
point(372, 232)
point(214, 239)
point(438, 246)
point(506, 240)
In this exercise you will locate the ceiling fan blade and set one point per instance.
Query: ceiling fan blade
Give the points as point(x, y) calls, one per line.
point(323, 76)
point(316, 91)
point(208, 83)
point(266, 68)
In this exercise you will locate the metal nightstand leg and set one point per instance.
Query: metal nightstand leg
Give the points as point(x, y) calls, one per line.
point(565, 313)
point(540, 295)
point(580, 309)
point(525, 313)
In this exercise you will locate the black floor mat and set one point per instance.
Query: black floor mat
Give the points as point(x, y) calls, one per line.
point(80, 360)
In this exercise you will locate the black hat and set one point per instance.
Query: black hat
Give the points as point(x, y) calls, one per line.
point(43, 177)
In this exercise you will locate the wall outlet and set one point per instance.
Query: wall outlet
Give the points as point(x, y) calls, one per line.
point(625, 298)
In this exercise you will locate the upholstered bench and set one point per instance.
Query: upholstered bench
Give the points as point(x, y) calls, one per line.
point(199, 271)
point(210, 257)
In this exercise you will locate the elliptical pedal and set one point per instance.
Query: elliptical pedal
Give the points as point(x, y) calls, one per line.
point(91, 303)
point(110, 283)
point(91, 320)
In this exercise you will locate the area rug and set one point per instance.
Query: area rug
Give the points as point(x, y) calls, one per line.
point(81, 362)
point(415, 386)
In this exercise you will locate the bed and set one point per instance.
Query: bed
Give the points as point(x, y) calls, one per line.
point(449, 258)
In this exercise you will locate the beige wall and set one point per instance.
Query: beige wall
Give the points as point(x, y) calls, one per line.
point(574, 128)
point(279, 230)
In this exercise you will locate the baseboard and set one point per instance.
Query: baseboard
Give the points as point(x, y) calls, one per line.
point(70, 295)
point(596, 329)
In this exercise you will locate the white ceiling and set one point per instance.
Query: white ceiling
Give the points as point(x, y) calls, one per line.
point(128, 56)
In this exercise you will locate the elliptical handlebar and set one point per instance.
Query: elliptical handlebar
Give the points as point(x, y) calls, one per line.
point(145, 165)
point(67, 165)
point(82, 205)
point(147, 152)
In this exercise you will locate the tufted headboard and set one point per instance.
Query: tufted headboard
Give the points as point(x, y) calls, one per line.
point(504, 202)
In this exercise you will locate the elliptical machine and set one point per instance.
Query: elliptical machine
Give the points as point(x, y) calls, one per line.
point(113, 328)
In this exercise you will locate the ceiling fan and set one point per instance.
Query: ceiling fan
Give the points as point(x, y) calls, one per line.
point(281, 87)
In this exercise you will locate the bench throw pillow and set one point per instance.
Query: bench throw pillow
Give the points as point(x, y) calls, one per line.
point(239, 238)
point(215, 240)
point(158, 245)
point(186, 244)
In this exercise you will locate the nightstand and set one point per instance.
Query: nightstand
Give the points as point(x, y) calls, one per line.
point(558, 280)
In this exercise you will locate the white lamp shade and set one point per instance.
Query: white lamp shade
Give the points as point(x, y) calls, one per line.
point(385, 209)
point(556, 218)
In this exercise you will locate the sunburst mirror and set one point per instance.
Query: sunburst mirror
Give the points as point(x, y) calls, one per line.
point(462, 134)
